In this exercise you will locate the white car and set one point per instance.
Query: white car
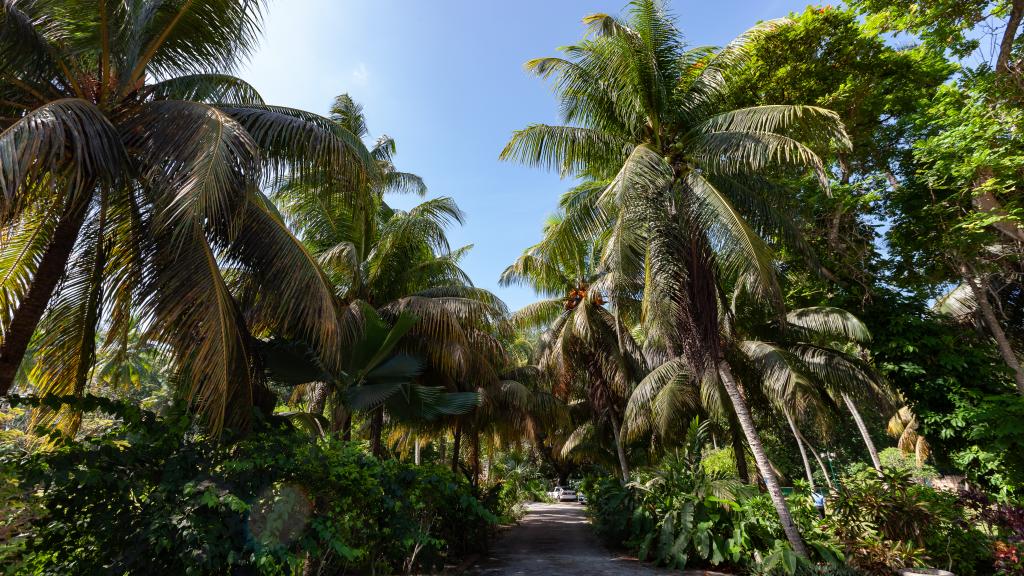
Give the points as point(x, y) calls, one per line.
point(563, 494)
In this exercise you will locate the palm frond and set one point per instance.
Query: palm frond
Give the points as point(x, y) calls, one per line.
point(830, 322)
point(295, 298)
point(658, 402)
point(69, 139)
point(300, 143)
point(207, 88)
point(199, 162)
point(567, 149)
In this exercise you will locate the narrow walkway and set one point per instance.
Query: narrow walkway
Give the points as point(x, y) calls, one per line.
point(556, 539)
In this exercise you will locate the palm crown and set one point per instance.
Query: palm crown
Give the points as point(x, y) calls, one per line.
point(130, 170)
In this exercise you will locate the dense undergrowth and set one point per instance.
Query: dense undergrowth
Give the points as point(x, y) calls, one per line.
point(682, 514)
point(152, 496)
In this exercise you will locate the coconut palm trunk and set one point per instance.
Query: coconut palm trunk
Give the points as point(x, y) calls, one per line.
point(456, 447)
point(620, 450)
point(376, 431)
point(800, 445)
point(817, 458)
point(318, 398)
point(30, 310)
point(771, 481)
point(852, 407)
point(739, 451)
point(474, 457)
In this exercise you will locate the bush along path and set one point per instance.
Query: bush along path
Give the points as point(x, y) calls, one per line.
point(556, 539)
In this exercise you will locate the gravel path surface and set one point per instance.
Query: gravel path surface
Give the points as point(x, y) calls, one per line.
point(555, 539)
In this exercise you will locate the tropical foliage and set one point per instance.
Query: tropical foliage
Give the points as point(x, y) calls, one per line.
point(224, 349)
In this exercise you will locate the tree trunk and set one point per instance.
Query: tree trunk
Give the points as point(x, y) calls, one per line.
point(771, 481)
point(985, 201)
point(416, 450)
point(376, 431)
point(817, 458)
point(474, 456)
point(346, 428)
point(318, 398)
point(992, 323)
point(863, 431)
point(31, 308)
point(803, 451)
point(619, 450)
point(739, 451)
point(1006, 45)
point(442, 449)
point(456, 447)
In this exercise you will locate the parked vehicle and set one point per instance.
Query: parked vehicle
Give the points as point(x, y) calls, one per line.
point(560, 494)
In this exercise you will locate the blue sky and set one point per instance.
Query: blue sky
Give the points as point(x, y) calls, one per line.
point(445, 79)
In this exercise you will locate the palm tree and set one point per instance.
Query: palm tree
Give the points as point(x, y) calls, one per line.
point(687, 206)
point(398, 262)
point(131, 163)
point(585, 348)
point(804, 369)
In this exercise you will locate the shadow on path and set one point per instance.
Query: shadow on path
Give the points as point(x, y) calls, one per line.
point(555, 539)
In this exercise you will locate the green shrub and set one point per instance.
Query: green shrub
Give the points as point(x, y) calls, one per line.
point(683, 516)
point(152, 497)
point(885, 522)
point(518, 480)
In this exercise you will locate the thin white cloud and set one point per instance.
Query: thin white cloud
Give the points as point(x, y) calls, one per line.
point(360, 75)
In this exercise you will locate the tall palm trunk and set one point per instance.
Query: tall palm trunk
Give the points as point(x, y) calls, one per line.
point(764, 466)
point(456, 447)
point(620, 450)
point(318, 398)
point(800, 445)
point(474, 457)
point(863, 431)
point(31, 308)
point(739, 451)
point(817, 458)
point(346, 427)
point(376, 431)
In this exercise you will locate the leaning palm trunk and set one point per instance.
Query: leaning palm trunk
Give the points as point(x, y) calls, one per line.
point(620, 450)
point(739, 451)
point(764, 466)
point(821, 465)
point(800, 445)
point(863, 431)
point(30, 310)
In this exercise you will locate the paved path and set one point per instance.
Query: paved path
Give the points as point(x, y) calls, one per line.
point(555, 539)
